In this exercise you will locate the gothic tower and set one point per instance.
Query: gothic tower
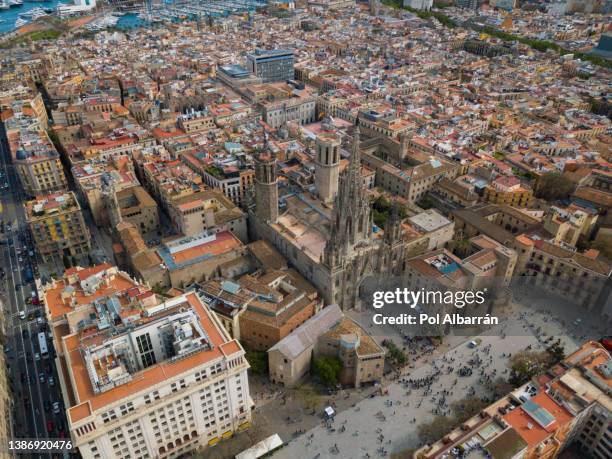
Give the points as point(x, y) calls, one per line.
point(351, 224)
point(391, 250)
point(327, 166)
point(403, 149)
point(266, 186)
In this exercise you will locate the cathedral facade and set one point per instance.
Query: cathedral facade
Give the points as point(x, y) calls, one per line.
point(334, 250)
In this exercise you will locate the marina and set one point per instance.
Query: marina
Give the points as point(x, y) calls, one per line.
point(15, 12)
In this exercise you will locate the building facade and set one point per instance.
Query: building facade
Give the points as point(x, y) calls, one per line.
point(337, 251)
point(57, 226)
point(271, 65)
point(165, 381)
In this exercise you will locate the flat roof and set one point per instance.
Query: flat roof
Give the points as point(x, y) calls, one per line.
point(146, 378)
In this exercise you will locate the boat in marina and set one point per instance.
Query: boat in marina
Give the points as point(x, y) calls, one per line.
point(38, 13)
point(15, 3)
point(20, 23)
point(4, 6)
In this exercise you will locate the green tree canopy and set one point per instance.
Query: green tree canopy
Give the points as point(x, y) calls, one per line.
point(327, 369)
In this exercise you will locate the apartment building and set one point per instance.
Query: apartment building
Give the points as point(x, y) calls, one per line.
point(141, 376)
point(57, 226)
point(508, 190)
point(37, 162)
point(412, 183)
point(437, 227)
point(260, 310)
point(187, 260)
point(195, 121)
point(233, 179)
point(96, 178)
point(284, 102)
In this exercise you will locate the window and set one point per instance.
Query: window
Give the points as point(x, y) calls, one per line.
point(145, 348)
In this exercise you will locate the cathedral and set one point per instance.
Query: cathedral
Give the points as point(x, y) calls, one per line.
point(334, 249)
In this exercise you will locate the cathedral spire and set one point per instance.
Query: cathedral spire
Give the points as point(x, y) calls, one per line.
point(355, 151)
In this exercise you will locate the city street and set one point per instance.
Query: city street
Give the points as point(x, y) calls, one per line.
point(33, 376)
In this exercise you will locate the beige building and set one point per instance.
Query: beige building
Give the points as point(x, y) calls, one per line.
point(208, 210)
point(57, 226)
point(410, 183)
point(163, 380)
point(195, 121)
point(37, 163)
point(328, 333)
point(136, 206)
point(95, 179)
point(437, 227)
point(282, 103)
point(581, 277)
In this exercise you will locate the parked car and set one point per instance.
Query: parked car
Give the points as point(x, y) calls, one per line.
point(47, 405)
point(22, 315)
point(37, 357)
point(51, 381)
point(56, 407)
point(50, 426)
point(42, 377)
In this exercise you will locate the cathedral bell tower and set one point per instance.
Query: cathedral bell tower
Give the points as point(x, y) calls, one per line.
point(327, 166)
point(266, 186)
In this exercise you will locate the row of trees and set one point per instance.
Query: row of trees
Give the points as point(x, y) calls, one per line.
point(540, 45)
point(545, 45)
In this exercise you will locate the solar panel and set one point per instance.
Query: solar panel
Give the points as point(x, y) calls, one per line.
point(539, 414)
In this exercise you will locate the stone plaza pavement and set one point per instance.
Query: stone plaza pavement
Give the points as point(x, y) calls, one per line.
point(390, 421)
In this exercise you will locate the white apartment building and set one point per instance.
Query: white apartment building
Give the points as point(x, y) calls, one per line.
point(144, 378)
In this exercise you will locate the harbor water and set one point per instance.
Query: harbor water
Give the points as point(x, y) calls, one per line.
point(9, 16)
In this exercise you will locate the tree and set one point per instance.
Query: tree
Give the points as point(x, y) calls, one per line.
point(525, 365)
point(556, 352)
point(466, 408)
point(500, 387)
point(436, 429)
point(258, 361)
point(554, 186)
point(327, 369)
